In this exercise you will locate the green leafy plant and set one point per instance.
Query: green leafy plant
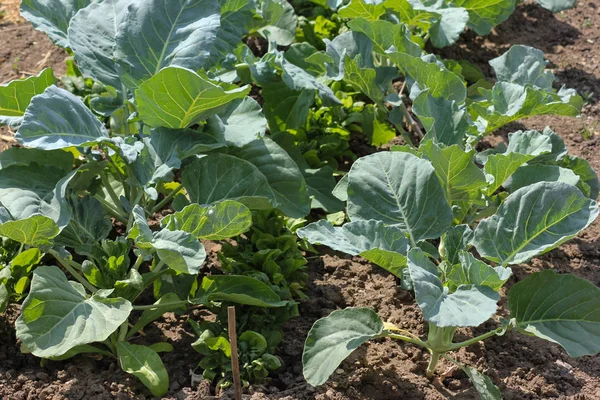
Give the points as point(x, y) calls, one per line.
point(525, 201)
point(270, 253)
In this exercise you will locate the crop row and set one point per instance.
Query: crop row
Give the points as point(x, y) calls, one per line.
point(184, 122)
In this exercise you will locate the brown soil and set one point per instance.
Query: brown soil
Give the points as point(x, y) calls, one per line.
point(523, 367)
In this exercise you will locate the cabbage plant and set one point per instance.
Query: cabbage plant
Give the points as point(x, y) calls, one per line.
point(487, 211)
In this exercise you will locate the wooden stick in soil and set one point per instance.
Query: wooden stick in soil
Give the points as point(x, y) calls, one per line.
point(235, 365)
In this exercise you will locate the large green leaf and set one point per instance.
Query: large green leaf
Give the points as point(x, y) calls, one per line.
point(533, 220)
point(179, 250)
point(60, 159)
point(455, 168)
point(563, 309)
point(57, 119)
point(368, 10)
point(219, 221)
point(444, 121)
point(219, 177)
point(523, 65)
point(508, 102)
point(469, 305)
point(92, 37)
point(429, 74)
point(471, 271)
point(583, 169)
point(385, 34)
point(237, 289)
point(449, 24)
point(399, 189)
point(33, 231)
point(88, 226)
point(333, 338)
point(16, 95)
point(144, 363)
point(174, 145)
point(485, 14)
point(280, 20)
point(177, 98)
point(52, 17)
point(455, 240)
point(27, 191)
point(282, 174)
point(158, 33)
point(499, 167)
point(529, 174)
point(362, 79)
point(383, 245)
point(241, 122)
point(57, 315)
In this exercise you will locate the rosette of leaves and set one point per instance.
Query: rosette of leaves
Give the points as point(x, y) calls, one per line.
point(254, 354)
point(527, 199)
point(270, 253)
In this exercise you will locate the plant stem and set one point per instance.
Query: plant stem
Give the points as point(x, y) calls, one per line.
point(435, 357)
point(499, 332)
point(162, 305)
point(110, 191)
point(166, 199)
point(407, 339)
point(109, 208)
point(73, 271)
point(138, 262)
point(123, 331)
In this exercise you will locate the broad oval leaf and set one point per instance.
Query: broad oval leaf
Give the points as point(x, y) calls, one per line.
point(158, 33)
point(383, 245)
point(282, 173)
point(218, 221)
point(177, 98)
point(429, 74)
point(60, 159)
point(485, 14)
point(529, 174)
point(144, 363)
point(240, 123)
point(281, 22)
point(399, 189)
point(469, 305)
point(532, 221)
point(57, 119)
point(219, 177)
point(16, 95)
point(33, 231)
point(92, 37)
point(471, 271)
point(563, 309)
point(237, 289)
point(52, 17)
point(31, 190)
point(179, 251)
point(333, 338)
point(57, 315)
